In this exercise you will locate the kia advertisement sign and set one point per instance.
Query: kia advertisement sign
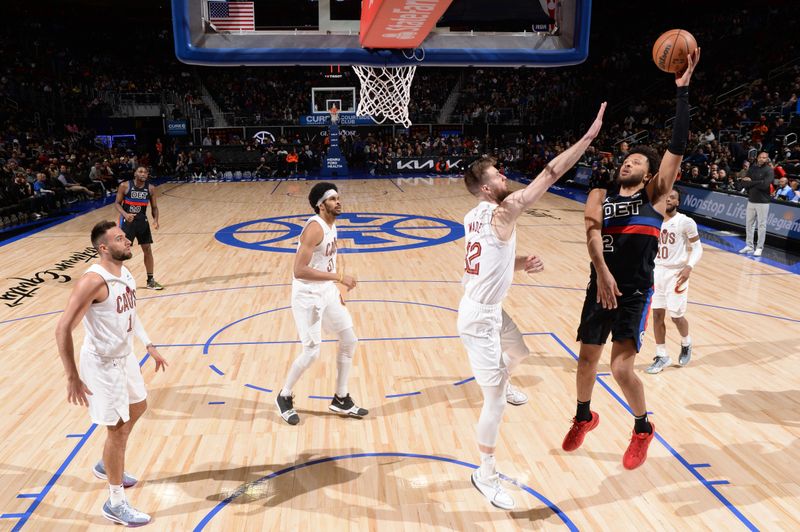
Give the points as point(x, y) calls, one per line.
point(432, 164)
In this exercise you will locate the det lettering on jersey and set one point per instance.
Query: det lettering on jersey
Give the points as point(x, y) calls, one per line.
point(139, 194)
point(618, 210)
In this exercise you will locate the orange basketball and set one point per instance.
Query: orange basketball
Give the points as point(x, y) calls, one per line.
point(671, 49)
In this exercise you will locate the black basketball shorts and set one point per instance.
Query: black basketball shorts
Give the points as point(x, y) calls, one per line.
point(138, 229)
point(628, 320)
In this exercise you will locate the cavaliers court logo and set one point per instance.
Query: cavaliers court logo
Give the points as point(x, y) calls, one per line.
point(358, 232)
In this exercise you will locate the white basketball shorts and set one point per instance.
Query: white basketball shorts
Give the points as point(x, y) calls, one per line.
point(318, 306)
point(667, 295)
point(115, 384)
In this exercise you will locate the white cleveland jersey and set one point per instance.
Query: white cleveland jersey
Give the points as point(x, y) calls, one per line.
point(324, 256)
point(673, 243)
point(109, 323)
point(489, 268)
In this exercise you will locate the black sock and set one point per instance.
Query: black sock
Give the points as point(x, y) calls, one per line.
point(583, 413)
point(149, 277)
point(642, 425)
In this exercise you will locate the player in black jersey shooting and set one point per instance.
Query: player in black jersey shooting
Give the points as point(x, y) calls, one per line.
point(623, 222)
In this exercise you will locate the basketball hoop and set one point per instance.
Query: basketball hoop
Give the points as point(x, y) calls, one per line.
point(385, 93)
point(334, 115)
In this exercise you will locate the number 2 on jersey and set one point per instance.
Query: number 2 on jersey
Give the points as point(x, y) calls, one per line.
point(472, 266)
point(608, 243)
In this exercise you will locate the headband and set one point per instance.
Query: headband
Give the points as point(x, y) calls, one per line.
point(328, 193)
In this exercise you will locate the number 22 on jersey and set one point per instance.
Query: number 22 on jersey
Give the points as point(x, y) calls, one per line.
point(472, 265)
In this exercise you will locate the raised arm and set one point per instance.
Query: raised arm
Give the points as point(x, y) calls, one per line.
point(515, 204)
point(662, 182)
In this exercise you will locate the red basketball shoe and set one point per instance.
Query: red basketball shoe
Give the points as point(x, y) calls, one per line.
point(637, 450)
point(577, 432)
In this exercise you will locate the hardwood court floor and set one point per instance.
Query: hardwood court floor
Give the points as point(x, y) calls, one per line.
point(212, 451)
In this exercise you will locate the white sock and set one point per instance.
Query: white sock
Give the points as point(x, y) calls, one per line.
point(116, 494)
point(661, 350)
point(487, 464)
point(344, 359)
point(686, 340)
point(343, 365)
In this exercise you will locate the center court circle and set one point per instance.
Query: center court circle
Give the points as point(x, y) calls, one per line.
point(358, 232)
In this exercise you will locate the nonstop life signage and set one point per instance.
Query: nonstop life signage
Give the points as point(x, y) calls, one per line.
point(345, 119)
point(783, 219)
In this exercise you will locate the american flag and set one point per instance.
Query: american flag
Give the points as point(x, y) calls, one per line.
point(232, 16)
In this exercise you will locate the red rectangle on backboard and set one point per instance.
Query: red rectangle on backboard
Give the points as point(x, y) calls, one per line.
point(399, 23)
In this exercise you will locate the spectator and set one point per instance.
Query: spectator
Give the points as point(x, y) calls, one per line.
point(784, 192)
point(757, 183)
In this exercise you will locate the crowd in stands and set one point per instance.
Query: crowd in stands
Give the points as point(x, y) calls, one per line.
point(54, 99)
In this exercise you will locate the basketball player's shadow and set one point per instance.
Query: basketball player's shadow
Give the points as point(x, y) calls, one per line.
point(83, 482)
point(219, 279)
point(551, 359)
point(429, 396)
point(611, 489)
point(533, 518)
point(466, 395)
point(435, 513)
point(779, 408)
point(733, 355)
point(192, 402)
point(754, 463)
point(253, 486)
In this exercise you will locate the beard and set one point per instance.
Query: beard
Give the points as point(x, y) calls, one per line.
point(334, 212)
point(630, 181)
point(672, 208)
point(121, 254)
point(501, 196)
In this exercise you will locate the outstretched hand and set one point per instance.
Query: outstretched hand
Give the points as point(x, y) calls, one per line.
point(682, 78)
point(594, 130)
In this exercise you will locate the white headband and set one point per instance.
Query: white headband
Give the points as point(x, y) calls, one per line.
point(328, 193)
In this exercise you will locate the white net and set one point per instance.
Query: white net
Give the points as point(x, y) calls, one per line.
point(385, 93)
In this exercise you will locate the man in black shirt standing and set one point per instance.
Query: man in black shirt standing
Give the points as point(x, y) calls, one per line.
point(757, 182)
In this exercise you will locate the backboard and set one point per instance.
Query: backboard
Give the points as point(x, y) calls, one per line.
point(488, 33)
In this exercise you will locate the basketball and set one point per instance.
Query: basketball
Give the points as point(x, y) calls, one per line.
point(671, 49)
